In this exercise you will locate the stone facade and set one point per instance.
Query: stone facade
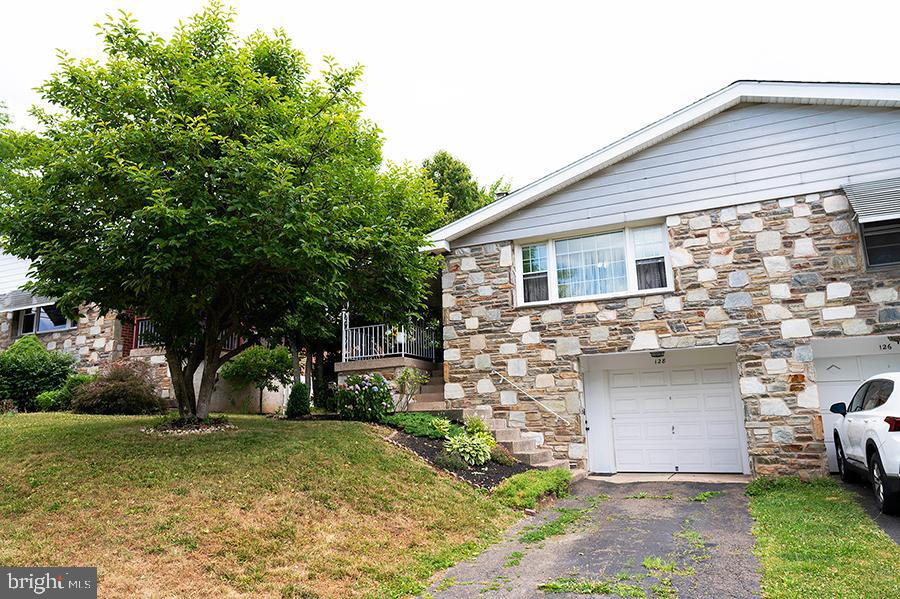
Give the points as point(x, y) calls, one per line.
point(95, 340)
point(765, 277)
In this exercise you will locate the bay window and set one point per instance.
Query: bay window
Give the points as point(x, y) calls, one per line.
point(615, 263)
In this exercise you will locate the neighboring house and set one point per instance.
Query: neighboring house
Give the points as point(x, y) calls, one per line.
point(693, 297)
point(96, 340)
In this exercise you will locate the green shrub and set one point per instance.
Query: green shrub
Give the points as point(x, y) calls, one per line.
point(487, 438)
point(442, 426)
point(365, 397)
point(501, 455)
point(298, 401)
point(48, 401)
point(474, 449)
point(476, 425)
point(419, 424)
point(450, 461)
point(524, 490)
point(27, 369)
point(67, 391)
point(125, 388)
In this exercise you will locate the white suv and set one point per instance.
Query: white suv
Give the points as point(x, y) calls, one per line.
point(867, 438)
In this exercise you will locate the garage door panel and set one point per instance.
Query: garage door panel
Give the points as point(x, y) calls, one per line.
point(684, 376)
point(655, 404)
point(837, 369)
point(713, 375)
point(653, 378)
point(690, 425)
point(686, 402)
point(718, 401)
point(622, 379)
point(625, 404)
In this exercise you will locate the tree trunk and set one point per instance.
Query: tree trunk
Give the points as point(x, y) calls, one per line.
point(295, 360)
point(309, 370)
point(182, 373)
point(320, 373)
point(260, 400)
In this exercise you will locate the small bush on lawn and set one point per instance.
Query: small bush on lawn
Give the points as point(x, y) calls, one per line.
point(524, 490)
point(298, 401)
point(501, 455)
point(61, 399)
point(27, 369)
point(473, 449)
point(450, 461)
point(365, 397)
point(49, 401)
point(420, 424)
point(124, 388)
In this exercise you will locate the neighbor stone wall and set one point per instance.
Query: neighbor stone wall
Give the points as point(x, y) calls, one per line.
point(96, 340)
point(765, 277)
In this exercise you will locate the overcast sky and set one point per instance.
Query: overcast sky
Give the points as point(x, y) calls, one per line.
point(515, 89)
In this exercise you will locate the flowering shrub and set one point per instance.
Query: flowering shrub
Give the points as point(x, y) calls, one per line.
point(364, 397)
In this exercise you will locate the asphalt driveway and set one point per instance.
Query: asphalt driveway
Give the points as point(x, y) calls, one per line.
point(638, 539)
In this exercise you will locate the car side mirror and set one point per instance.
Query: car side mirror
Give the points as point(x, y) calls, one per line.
point(839, 408)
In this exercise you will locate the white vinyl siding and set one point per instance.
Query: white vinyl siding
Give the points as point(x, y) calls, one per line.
point(13, 273)
point(606, 264)
point(749, 153)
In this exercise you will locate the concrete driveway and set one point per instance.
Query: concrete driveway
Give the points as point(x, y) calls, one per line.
point(634, 539)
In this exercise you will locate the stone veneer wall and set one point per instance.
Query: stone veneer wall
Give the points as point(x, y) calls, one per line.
point(766, 277)
point(96, 340)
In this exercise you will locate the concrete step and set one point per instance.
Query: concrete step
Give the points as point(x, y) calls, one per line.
point(495, 424)
point(507, 434)
point(427, 406)
point(517, 446)
point(428, 397)
point(579, 474)
point(550, 463)
point(533, 458)
point(432, 388)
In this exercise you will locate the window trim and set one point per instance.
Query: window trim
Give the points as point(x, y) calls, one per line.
point(630, 270)
point(71, 324)
point(865, 249)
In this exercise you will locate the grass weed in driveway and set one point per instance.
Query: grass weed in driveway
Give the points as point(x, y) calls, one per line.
point(814, 540)
point(647, 539)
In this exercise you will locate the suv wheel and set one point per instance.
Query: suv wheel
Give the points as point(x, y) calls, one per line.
point(847, 474)
point(886, 503)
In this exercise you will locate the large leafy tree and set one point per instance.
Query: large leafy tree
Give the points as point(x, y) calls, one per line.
point(208, 183)
point(454, 180)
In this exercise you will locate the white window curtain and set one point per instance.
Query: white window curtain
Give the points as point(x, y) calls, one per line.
point(591, 265)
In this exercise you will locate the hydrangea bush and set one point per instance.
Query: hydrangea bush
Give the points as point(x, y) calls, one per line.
point(365, 397)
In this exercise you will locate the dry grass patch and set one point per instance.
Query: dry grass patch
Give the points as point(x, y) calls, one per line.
point(271, 509)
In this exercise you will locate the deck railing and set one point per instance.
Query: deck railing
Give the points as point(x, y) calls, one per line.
point(381, 341)
point(144, 334)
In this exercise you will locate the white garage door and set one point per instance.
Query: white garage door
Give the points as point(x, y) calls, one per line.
point(675, 419)
point(841, 366)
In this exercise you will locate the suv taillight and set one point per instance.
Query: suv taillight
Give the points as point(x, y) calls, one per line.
point(893, 424)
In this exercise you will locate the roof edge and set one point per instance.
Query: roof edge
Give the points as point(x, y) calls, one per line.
point(741, 91)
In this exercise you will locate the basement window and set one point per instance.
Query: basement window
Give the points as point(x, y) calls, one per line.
point(881, 243)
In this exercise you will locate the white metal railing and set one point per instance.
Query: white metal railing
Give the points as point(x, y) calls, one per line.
point(380, 341)
point(144, 333)
point(532, 398)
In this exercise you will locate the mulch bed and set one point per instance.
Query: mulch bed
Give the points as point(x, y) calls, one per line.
point(487, 476)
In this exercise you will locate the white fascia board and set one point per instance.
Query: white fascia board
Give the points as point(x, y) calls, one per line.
point(845, 94)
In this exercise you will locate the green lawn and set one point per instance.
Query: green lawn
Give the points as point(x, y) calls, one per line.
point(272, 509)
point(814, 540)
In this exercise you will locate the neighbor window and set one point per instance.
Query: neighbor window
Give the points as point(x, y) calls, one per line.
point(617, 262)
point(42, 319)
point(881, 242)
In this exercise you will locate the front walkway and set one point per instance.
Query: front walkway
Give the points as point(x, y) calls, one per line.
point(621, 539)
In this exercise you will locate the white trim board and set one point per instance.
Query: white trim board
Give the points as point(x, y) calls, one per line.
point(782, 92)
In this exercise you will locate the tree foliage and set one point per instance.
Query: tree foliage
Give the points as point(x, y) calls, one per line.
point(454, 181)
point(259, 366)
point(210, 184)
